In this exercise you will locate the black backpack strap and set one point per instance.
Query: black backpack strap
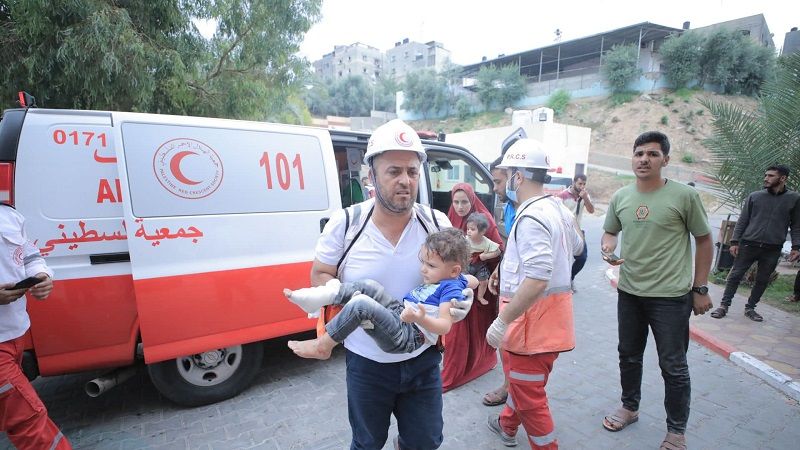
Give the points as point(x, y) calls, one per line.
point(433, 216)
point(356, 213)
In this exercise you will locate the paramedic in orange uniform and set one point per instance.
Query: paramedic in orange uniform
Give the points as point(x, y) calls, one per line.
point(535, 322)
point(23, 416)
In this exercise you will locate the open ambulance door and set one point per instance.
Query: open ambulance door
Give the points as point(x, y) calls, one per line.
point(220, 217)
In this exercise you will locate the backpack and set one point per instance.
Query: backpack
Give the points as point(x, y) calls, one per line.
point(356, 219)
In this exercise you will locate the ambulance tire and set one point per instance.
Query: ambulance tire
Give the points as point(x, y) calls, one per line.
point(181, 379)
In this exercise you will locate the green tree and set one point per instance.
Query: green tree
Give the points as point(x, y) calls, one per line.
point(621, 67)
point(351, 96)
point(681, 54)
point(425, 92)
point(386, 94)
point(745, 143)
point(316, 96)
point(147, 55)
point(498, 88)
point(735, 62)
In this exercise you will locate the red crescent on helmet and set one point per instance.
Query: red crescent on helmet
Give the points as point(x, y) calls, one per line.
point(402, 140)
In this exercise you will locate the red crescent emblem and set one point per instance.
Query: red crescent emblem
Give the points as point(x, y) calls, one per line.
point(402, 140)
point(175, 167)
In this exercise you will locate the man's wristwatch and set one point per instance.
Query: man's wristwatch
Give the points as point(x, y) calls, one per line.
point(702, 290)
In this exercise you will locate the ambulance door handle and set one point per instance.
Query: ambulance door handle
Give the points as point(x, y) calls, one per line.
point(322, 223)
point(108, 258)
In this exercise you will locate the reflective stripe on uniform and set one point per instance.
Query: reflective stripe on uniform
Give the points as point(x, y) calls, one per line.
point(31, 258)
point(6, 387)
point(525, 376)
point(541, 441)
point(56, 440)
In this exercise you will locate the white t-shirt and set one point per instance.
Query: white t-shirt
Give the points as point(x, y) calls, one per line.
point(19, 259)
point(373, 257)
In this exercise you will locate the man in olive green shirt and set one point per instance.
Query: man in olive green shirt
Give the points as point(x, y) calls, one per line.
point(656, 285)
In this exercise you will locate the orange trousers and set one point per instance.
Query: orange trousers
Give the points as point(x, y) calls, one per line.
point(22, 414)
point(527, 400)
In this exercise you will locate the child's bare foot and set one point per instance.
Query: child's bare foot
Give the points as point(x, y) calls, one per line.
point(483, 301)
point(310, 349)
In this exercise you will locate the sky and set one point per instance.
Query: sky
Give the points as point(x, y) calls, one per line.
point(470, 29)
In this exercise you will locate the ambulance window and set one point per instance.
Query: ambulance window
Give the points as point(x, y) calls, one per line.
point(181, 170)
point(446, 169)
point(352, 172)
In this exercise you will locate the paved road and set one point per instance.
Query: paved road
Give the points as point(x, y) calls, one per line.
point(301, 404)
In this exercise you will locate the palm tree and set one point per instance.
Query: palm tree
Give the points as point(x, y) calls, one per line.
point(745, 143)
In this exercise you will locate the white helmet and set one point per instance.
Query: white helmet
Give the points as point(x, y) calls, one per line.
point(527, 154)
point(394, 135)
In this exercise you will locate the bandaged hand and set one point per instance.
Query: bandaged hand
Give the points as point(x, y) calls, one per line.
point(459, 309)
point(495, 333)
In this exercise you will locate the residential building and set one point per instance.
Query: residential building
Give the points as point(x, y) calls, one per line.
point(791, 42)
point(407, 56)
point(754, 27)
point(354, 59)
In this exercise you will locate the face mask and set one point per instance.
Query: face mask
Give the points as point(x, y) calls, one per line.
point(511, 192)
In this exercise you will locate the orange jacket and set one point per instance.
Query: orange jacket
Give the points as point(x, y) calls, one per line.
point(547, 326)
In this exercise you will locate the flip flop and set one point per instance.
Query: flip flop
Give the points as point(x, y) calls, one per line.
point(495, 397)
point(620, 419)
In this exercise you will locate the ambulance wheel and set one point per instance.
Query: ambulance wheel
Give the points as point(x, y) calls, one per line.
point(207, 377)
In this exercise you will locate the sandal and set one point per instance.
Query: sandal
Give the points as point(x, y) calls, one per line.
point(496, 397)
point(620, 419)
point(673, 441)
point(753, 315)
point(720, 312)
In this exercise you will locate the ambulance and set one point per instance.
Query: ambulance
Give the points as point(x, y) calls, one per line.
point(172, 237)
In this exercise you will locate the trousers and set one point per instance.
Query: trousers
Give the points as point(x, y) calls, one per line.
point(526, 404)
point(668, 317)
point(767, 258)
point(23, 416)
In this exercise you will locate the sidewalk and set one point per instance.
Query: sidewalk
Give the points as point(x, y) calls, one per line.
point(769, 350)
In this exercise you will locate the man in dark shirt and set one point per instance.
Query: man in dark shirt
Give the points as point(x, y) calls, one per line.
point(759, 236)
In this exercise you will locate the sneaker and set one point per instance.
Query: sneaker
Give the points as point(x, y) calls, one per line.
point(753, 315)
point(494, 425)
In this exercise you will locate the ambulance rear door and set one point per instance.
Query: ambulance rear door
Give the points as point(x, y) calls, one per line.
point(221, 216)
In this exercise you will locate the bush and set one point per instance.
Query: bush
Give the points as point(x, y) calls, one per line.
point(684, 94)
point(463, 108)
point(664, 120)
point(618, 98)
point(681, 54)
point(559, 101)
point(667, 100)
point(620, 67)
point(688, 158)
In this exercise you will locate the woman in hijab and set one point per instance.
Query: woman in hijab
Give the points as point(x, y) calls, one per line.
point(467, 354)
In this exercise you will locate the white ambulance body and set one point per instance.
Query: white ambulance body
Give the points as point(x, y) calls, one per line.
point(179, 234)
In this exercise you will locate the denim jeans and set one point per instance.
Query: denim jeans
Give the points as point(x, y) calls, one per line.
point(390, 333)
point(797, 286)
point(668, 317)
point(411, 390)
point(580, 260)
point(767, 258)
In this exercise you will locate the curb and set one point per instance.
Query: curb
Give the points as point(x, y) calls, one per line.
point(751, 365)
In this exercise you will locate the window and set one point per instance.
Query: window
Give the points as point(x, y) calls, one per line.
point(454, 173)
point(445, 169)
